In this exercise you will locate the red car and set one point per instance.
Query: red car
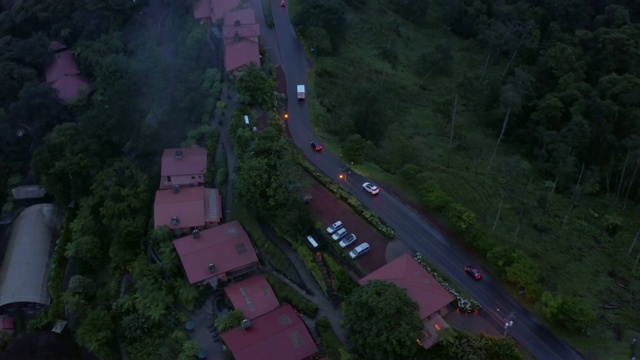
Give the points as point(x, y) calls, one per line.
point(316, 147)
point(473, 272)
point(282, 4)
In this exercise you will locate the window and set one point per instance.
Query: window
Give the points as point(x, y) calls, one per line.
point(168, 179)
point(240, 249)
point(284, 319)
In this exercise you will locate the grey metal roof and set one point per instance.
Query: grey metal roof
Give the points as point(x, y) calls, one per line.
point(25, 270)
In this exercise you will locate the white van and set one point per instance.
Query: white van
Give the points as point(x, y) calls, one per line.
point(359, 250)
point(312, 242)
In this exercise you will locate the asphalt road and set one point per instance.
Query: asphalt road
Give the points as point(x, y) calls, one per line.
point(414, 231)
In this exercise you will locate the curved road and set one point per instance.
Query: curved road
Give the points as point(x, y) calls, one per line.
point(414, 231)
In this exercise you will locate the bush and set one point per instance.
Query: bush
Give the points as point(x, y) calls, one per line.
point(58, 268)
point(354, 203)
point(433, 197)
point(289, 296)
point(229, 321)
point(309, 262)
point(343, 283)
point(329, 338)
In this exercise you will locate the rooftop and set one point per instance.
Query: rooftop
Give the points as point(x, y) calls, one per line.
point(241, 53)
point(253, 296)
point(280, 334)
point(185, 161)
point(24, 273)
point(63, 74)
point(407, 273)
point(226, 246)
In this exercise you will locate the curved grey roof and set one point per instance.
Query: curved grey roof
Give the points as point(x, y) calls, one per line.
point(25, 269)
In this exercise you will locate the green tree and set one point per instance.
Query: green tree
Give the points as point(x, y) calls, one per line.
point(354, 148)
point(382, 321)
point(13, 77)
point(95, 332)
point(575, 313)
point(257, 88)
point(5, 339)
point(189, 350)
point(326, 14)
point(318, 40)
point(229, 321)
point(523, 272)
point(151, 297)
point(550, 304)
point(135, 326)
point(82, 286)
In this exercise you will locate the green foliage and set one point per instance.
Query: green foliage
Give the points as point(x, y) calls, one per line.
point(354, 149)
point(201, 136)
point(430, 194)
point(257, 88)
point(186, 294)
point(373, 219)
point(135, 326)
point(550, 304)
point(382, 321)
point(318, 40)
point(267, 12)
point(96, 332)
point(212, 149)
point(151, 297)
point(325, 14)
point(309, 262)
point(329, 339)
point(342, 282)
point(575, 313)
point(289, 296)
point(82, 286)
point(190, 350)
point(457, 345)
point(58, 267)
point(5, 339)
point(229, 321)
point(223, 170)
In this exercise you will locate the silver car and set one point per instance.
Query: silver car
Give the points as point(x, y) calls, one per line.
point(348, 241)
point(339, 234)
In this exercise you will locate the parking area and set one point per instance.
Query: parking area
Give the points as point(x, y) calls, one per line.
point(327, 209)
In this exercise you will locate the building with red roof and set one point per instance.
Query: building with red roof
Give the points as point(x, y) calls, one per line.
point(431, 297)
point(280, 334)
point(183, 167)
point(216, 254)
point(253, 296)
point(63, 74)
point(213, 9)
point(241, 35)
point(183, 209)
point(242, 24)
point(7, 323)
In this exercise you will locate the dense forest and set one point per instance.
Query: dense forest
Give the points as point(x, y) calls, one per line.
point(516, 122)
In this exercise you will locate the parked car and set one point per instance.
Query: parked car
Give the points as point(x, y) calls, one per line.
point(473, 272)
point(372, 189)
point(359, 250)
point(335, 226)
point(316, 147)
point(348, 241)
point(339, 234)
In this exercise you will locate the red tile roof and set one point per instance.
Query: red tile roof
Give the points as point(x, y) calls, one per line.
point(202, 9)
point(63, 74)
point(220, 8)
point(253, 296)
point(188, 205)
point(241, 53)
point(226, 246)
point(193, 161)
point(232, 33)
point(57, 46)
point(279, 334)
point(244, 16)
point(64, 64)
point(421, 286)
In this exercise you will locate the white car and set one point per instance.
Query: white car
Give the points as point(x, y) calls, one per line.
point(372, 189)
point(348, 241)
point(359, 250)
point(334, 227)
point(339, 234)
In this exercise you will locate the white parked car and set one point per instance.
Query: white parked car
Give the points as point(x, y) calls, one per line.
point(339, 234)
point(372, 189)
point(359, 250)
point(348, 241)
point(334, 227)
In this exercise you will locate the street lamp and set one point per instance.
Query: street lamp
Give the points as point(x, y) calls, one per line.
point(508, 321)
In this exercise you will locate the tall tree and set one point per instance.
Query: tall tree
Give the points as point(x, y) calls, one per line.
point(382, 322)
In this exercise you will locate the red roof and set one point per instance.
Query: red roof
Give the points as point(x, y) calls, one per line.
point(57, 46)
point(220, 8)
point(190, 205)
point(241, 53)
point(279, 334)
point(64, 76)
point(244, 31)
point(226, 246)
point(202, 9)
point(407, 273)
point(193, 161)
point(243, 16)
point(253, 296)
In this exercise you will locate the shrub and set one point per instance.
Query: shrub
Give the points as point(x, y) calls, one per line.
point(58, 268)
point(328, 338)
point(309, 262)
point(343, 283)
point(289, 296)
point(433, 197)
point(229, 321)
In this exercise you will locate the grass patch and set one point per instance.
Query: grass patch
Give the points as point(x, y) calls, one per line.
point(329, 339)
point(267, 12)
point(289, 296)
point(269, 251)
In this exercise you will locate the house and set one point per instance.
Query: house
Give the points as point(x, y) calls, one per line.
point(183, 167)
point(63, 74)
point(253, 296)
point(431, 297)
point(221, 253)
point(280, 334)
point(213, 9)
point(24, 274)
point(241, 35)
point(186, 209)
point(241, 23)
